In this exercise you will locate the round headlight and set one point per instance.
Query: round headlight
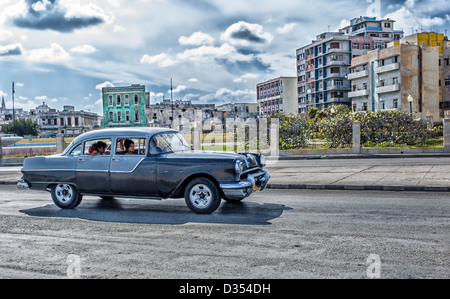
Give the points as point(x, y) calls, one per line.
point(239, 167)
point(262, 161)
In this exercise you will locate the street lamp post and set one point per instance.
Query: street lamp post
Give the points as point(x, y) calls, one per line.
point(410, 101)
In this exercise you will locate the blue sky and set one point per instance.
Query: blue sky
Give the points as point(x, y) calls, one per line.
point(63, 51)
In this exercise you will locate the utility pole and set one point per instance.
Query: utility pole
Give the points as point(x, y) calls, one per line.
point(171, 97)
point(14, 112)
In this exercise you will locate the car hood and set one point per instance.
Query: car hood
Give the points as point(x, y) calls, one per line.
point(251, 160)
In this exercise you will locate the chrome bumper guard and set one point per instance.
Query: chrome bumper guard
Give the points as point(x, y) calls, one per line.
point(246, 187)
point(22, 184)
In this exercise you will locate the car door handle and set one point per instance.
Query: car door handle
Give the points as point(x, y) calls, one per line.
point(82, 160)
point(115, 159)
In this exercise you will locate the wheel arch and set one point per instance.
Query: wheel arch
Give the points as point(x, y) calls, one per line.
point(179, 191)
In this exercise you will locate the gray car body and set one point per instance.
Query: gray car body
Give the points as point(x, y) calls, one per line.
point(157, 176)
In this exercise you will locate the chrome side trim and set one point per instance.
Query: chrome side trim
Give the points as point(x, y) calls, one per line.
point(133, 170)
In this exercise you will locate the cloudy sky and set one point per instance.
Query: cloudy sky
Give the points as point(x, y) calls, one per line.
point(63, 51)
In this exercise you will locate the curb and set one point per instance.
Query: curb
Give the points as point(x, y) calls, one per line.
point(356, 156)
point(359, 187)
point(336, 187)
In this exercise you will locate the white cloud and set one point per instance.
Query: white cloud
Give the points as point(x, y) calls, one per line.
point(226, 95)
point(76, 10)
point(246, 34)
point(84, 49)
point(54, 54)
point(104, 84)
point(244, 78)
point(162, 60)
point(41, 5)
point(286, 28)
point(179, 89)
point(193, 80)
point(196, 39)
point(204, 53)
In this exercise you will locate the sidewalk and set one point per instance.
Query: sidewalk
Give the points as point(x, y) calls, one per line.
point(389, 174)
point(365, 177)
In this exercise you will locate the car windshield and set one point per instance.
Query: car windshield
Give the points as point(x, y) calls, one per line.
point(171, 142)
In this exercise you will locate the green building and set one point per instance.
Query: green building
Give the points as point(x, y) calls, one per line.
point(125, 106)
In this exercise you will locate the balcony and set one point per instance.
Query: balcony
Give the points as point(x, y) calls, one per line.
point(357, 75)
point(387, 68)
point(388, 88)
point(358, 93)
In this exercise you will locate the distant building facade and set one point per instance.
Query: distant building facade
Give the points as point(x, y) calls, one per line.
point(125, 106)
point(278, 95)
point(407, 76)
point(322, 65)
point(7, 114)
point(68, 122)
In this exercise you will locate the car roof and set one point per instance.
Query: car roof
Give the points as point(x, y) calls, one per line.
point(123, 132)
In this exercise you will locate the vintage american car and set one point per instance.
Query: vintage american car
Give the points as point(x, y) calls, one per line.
point(154, 163)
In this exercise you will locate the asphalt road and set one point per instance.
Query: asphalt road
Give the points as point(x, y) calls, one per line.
point(274, 234)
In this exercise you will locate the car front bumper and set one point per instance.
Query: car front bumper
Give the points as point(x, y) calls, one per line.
point(244, 188)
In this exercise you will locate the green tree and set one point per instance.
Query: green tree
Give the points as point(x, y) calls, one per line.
point(22, 127)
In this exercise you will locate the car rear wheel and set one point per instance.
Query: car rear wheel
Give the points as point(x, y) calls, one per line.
point(66, 196)
point(202, 196)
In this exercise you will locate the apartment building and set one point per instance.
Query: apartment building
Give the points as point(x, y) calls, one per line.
point(125, 106)
point(402, 77)
point(369, 33)
point(322, 65)
point(277, 95)
point(321, 71)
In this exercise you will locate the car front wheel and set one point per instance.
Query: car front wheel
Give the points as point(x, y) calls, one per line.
point(66, 196)
point(202, 196)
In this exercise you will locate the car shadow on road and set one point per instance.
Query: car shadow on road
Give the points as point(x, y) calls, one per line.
point(162, 212)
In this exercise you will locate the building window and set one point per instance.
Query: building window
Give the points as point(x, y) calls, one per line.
point(364, 106)
point(395, 80)
point(61, 120)
point(119, 116)
point(110, 101)
point(127, 115)
point(382, 105)
point(355, 46)
point(334, 45)
point(136, 99)
point(118, 100)
point(136, 116)
point(447, 82)
point(395, 103)
point(127, 100)
point(387, 25)
point(111, 116)
point(76, 121)
point(366, 46)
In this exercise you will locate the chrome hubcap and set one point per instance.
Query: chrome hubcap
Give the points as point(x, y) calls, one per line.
point(200, 196)
point(64, 193)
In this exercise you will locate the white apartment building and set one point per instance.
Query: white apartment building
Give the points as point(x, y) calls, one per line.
point(278, 95)
point(402, 77)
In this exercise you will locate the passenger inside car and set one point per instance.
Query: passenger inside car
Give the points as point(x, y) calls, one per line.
point(93, 150)
point(101, 148)
point(154, 149)
point(126, 146)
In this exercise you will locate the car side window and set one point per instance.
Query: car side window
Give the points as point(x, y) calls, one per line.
point(131, 146)
point(77, 150)
point(97, 147)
